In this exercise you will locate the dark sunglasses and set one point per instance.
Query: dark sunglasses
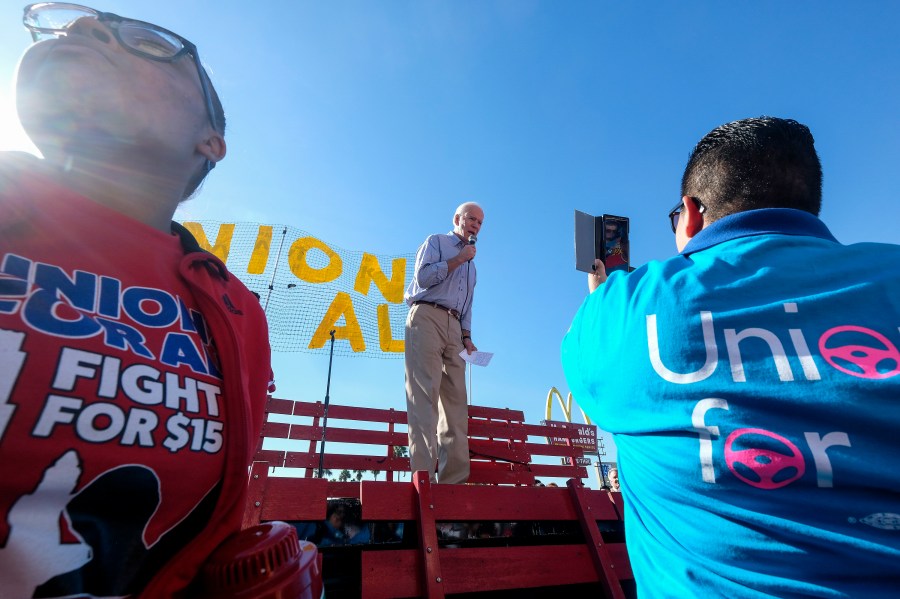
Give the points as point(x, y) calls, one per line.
point(675, 214)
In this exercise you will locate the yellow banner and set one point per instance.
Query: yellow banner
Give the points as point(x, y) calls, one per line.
point(309, 287)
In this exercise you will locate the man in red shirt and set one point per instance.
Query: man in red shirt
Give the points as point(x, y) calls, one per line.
point(133, 365)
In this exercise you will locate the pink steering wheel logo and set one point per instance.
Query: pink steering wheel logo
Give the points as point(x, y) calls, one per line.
point(861, 360)
point(764, 468)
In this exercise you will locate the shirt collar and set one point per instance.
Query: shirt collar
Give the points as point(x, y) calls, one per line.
point(765, 221)
point(455, 238)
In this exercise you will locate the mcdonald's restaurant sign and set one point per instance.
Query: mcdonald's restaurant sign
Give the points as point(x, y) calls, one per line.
point(583, 461)
point(585, 435)
point(586, 439)
point(309, 287)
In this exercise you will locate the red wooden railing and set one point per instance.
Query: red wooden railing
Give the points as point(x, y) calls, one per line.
point(499, 445)
point(503, 472)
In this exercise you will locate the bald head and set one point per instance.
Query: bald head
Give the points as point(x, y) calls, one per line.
point(467, 220)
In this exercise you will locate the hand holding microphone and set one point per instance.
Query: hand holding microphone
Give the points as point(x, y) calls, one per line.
point(468, 251)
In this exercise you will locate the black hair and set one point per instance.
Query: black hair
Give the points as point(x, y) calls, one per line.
point(335, 507)
point(219, 116)
point(763, 162)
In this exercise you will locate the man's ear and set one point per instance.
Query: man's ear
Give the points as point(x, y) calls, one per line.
point(213, 148)
point(693, 219)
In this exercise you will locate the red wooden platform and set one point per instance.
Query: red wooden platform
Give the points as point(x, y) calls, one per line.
point(501, 490)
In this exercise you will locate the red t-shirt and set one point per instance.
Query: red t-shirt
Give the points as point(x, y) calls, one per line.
point(111, 427)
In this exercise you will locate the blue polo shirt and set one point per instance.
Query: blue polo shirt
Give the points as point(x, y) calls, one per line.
point(752, 385)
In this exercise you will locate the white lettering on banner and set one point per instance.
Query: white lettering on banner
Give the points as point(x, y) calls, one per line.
point(12, 358)
point(706, 433)
point(867, 360)
point(759, 457)
point(94, 396)
point(733, 338)
point(97, 422)
point(204, 435)
point(749, 455)
point(102, 422)
point(818, 445)
point(139, 382)
point(709, 340)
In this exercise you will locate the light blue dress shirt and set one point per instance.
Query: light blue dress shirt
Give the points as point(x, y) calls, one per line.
point(432, 283)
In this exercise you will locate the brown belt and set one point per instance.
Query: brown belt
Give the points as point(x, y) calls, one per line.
point(449, 311)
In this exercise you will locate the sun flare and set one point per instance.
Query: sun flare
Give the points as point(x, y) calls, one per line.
point(12, 136)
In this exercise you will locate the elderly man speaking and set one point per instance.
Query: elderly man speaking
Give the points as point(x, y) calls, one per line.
point(437, 329)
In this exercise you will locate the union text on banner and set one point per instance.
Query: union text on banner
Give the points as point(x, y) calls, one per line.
point(309, 287)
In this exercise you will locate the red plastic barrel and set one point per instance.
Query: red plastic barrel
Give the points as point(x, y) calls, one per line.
point(264, 562)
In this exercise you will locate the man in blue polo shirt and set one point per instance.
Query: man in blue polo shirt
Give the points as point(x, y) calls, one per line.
point(751, 384)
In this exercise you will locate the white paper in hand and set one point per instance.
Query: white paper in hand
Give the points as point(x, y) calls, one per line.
point(478, 358)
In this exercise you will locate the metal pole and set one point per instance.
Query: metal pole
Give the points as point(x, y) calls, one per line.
point(598, 468)
point(325, 416)
point(275, 271)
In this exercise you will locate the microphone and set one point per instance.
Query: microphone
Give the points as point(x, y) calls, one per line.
point(472, 239)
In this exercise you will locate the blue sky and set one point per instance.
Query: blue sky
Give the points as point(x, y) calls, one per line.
point(367, 123)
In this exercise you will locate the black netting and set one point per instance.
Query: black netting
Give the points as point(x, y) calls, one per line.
point(309, 287)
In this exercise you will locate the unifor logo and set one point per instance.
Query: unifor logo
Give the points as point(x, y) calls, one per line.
point(857, 356)
point(763, 459)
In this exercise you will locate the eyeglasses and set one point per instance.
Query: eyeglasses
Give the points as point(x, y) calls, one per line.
point(675, 214)
point(138, 37)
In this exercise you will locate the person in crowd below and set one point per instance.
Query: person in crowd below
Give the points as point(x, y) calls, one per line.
point(134, 365)
point(334, 526)
point(342, 525)
point(438, 328)
point(751, 384)
point(614, 479)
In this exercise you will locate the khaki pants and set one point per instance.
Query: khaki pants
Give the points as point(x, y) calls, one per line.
point(436, 409)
